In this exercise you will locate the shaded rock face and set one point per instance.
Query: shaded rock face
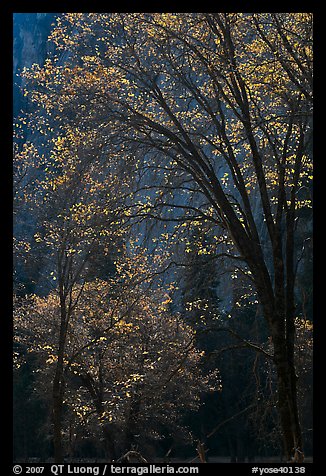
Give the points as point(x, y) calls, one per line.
point(30, 33)
point(29, 46)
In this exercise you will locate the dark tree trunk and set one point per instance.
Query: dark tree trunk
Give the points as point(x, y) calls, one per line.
point(286, 387)
point(287, 401)
point(277, 302)
point(109, 446)
point(240, 447)
point(96, 391)
point(58, 390)
point(132, 423)
point(232, 449)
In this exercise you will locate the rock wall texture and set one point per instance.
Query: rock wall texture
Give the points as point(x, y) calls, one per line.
point(29, 46)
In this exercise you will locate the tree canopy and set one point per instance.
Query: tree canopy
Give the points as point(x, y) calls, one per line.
point(188, 136)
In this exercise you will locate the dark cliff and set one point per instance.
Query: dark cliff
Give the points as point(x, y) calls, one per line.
point(29, 46)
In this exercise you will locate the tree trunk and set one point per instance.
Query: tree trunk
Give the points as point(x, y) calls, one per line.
point(109, 446)
point(57, 416)
point(287, 399)
point(132, 423)
point(58, 388)
point(278, 311)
